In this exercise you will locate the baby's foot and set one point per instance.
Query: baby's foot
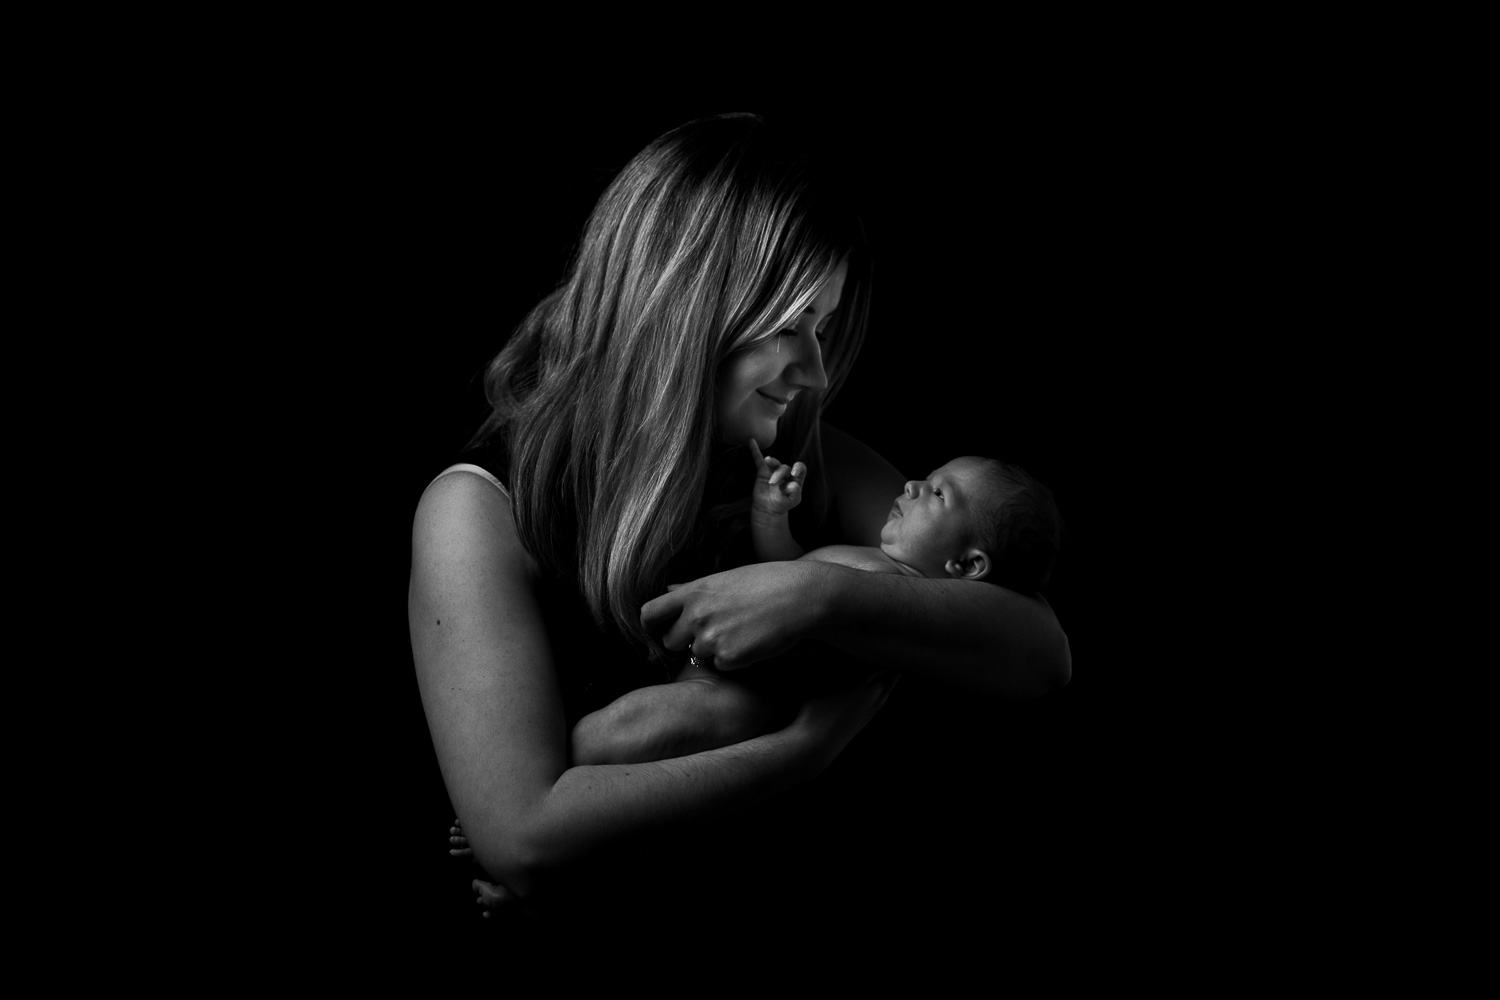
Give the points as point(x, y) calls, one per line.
point(491, 896)
point(458, 843)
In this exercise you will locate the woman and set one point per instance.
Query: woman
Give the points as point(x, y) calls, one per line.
point(719, 295)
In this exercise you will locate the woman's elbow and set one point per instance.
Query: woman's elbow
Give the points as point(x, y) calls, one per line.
point(514, 857)
point(507, 866)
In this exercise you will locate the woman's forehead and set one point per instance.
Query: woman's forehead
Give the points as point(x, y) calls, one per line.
point(831, 293)
point(827, 298)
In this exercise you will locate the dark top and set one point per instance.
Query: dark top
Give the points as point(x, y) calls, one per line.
point(846, 847)
point(595, 665)
point(598, 665)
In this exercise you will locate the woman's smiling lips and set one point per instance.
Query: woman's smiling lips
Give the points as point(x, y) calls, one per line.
point(780, 404)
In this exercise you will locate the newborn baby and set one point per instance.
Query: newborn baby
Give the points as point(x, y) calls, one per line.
point(976, 519)
point(972, 519)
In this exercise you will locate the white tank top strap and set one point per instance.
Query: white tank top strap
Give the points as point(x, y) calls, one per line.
point(477, 470)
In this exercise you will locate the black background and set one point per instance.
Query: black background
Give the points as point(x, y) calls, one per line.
point(1073, 288)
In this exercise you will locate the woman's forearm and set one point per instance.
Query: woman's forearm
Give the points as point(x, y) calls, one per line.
point(694, 713)
point(590, 807)
point(968, 633)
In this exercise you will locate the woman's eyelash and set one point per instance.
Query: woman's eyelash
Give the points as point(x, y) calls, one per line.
point(937, 492)
point(822, 337)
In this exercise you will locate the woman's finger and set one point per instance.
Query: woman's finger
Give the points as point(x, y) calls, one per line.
point(660, 612)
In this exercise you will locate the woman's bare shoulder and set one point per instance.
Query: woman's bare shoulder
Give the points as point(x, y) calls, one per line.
point(464, 515)
point(473, 587)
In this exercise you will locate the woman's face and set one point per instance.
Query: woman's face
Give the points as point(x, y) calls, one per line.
point(757, 384)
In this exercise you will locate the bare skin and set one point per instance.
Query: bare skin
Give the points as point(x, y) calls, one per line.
point(704, 709)
point(465, 549)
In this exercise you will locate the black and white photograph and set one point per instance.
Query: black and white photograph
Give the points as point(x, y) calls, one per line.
point(768, 522)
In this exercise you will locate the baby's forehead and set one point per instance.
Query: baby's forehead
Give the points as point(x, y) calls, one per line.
point(967, 470)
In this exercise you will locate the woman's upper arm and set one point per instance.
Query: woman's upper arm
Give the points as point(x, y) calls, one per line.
point(484, 665)
point(864, 486)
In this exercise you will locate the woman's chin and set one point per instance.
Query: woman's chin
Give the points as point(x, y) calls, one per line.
point(765, 435)
point(764, 432)
point(761, 438)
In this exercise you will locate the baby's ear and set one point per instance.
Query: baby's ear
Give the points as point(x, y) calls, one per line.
point(972, 565)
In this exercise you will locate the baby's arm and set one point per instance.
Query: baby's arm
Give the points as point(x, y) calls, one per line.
point(701, 710)
point(778, 488)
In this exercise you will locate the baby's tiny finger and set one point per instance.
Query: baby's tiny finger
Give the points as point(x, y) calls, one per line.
point(799, 470)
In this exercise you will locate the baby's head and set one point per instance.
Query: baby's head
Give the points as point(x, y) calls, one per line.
point(976, 519)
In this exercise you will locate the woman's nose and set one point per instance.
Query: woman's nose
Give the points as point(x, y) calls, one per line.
point(913, 490)
point(805, 371)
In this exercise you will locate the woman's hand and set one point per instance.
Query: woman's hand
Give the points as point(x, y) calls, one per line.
point(744, 615)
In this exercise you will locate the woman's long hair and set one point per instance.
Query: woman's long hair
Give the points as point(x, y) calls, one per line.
point(712, 239)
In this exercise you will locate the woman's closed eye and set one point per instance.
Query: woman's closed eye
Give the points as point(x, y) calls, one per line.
point(819, 334)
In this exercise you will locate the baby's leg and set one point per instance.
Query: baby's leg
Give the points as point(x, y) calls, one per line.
point(701, 710)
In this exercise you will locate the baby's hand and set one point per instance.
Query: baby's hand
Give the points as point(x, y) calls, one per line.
point(778, 486)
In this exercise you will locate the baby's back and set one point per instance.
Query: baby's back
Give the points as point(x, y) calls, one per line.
point(856, 557)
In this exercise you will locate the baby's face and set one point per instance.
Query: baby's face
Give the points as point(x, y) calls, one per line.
point(931, 522)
